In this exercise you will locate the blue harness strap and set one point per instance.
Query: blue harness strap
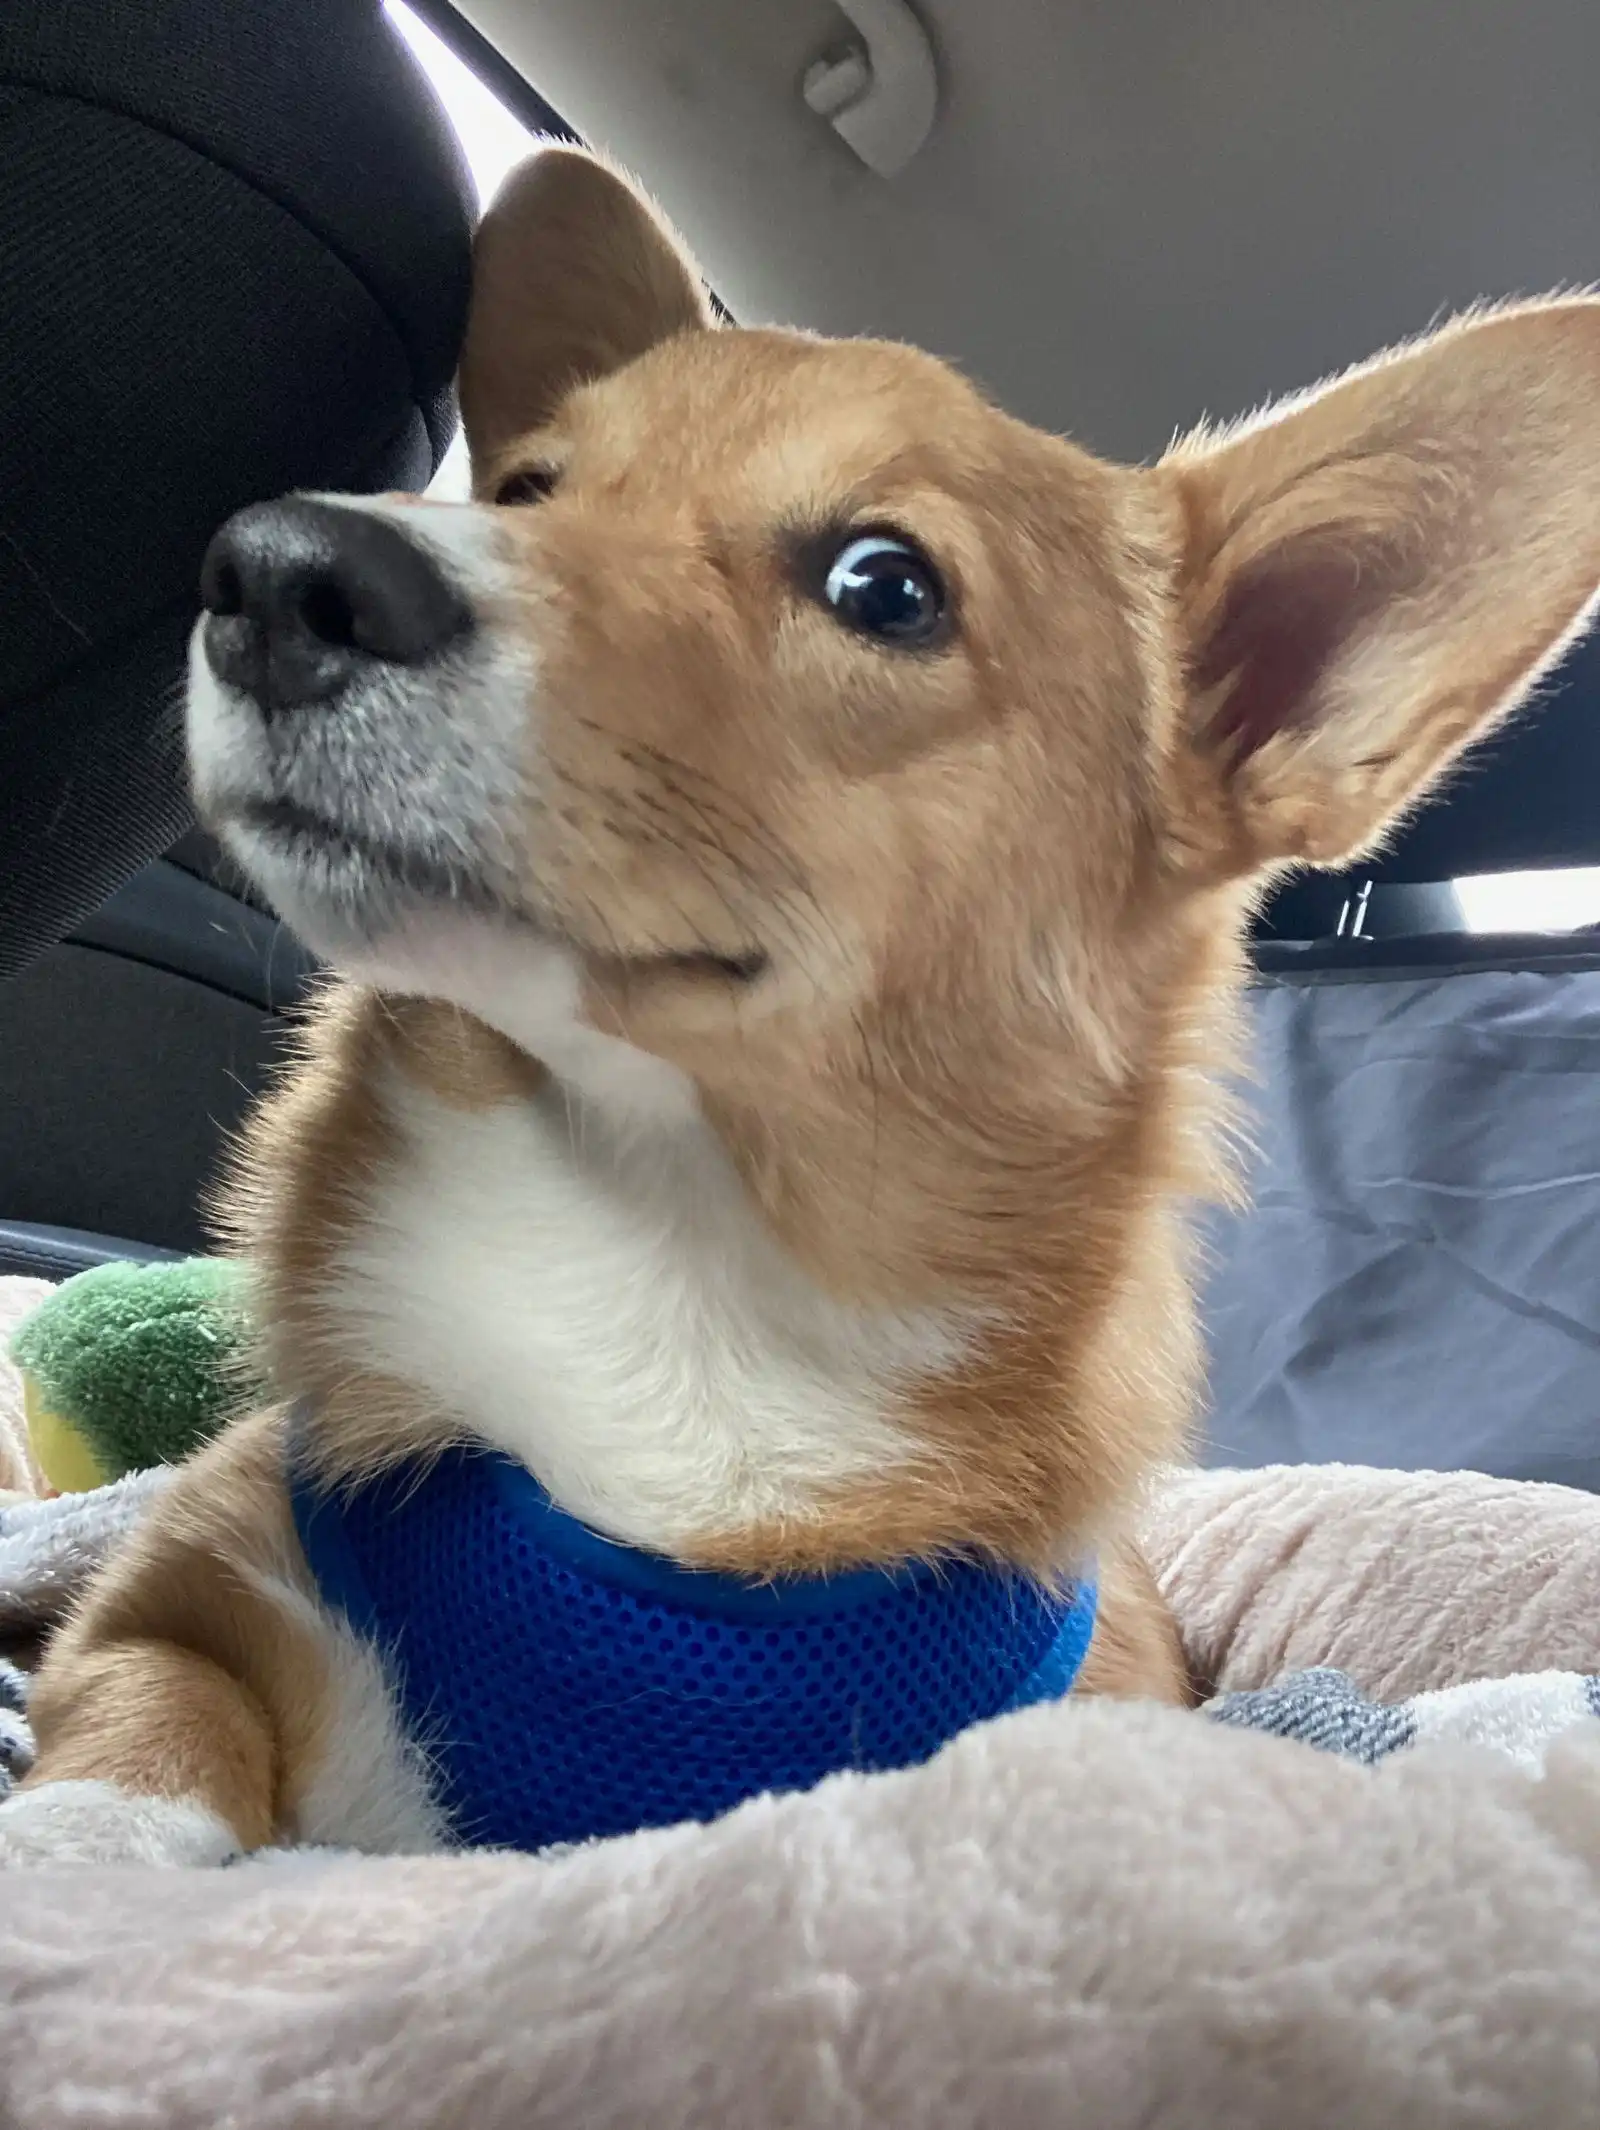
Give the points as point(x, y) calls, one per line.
point(564, 1687)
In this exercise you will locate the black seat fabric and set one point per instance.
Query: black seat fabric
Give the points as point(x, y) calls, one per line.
point(234, 252)
point(1528, 800)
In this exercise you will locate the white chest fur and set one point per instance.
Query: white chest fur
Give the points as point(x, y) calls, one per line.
point(599, 1298)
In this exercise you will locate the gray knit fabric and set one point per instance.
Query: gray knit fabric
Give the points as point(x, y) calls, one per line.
point(1519, 1718)
point(16, 1740)
point(1323, 1708)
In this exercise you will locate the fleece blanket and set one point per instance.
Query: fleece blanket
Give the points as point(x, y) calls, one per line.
point(1088, 1914)
point(49, 1548)
point(1108, 1916)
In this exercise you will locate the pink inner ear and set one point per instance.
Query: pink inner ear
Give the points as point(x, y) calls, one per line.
point(1285, 618)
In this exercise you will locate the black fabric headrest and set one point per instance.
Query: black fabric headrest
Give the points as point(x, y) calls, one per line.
point(1527, 800)
point(234, 260)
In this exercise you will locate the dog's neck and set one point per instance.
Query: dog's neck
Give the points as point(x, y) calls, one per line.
point(590, 1289)
point(567, 1262)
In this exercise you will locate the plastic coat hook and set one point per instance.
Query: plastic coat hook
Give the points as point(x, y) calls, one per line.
point(880, 95)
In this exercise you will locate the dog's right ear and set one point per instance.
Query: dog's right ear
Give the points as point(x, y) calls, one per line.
point(574, 274)
point(1375, 573)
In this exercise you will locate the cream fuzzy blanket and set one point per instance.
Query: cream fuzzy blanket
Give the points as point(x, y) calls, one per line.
point(1091, 1915)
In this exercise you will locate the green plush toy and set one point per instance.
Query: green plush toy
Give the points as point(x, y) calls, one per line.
point(130, 1365)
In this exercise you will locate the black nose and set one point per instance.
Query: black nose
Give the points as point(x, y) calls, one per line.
point(304, 596)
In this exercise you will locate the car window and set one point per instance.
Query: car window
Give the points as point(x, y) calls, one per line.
point(493, 140)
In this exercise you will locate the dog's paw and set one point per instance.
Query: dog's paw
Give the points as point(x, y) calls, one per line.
point(98, 1823)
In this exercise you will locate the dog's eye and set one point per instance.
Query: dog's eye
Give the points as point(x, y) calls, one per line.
point(531, 485)
point(884, 588)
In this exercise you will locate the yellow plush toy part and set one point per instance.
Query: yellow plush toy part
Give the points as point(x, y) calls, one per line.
point(59, 1450)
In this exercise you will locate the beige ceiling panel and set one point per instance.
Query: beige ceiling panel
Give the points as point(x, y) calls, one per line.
point(1128, 212)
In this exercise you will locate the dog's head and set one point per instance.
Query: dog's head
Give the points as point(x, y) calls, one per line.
point(784, 724)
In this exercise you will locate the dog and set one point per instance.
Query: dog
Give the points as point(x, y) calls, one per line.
point(787, 845)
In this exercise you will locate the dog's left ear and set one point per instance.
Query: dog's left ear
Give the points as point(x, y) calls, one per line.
point(574, 273)
point(1375, 574)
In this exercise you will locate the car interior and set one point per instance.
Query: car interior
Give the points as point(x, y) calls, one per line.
point(233, 262)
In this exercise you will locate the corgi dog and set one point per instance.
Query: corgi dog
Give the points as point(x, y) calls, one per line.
point(786, 845)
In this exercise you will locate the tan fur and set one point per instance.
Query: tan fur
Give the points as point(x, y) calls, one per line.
point(1001, 884)
point(621, 290)
point(1441, 501)
point(1136, 1654)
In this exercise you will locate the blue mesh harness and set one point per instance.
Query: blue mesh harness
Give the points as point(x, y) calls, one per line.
point(565, 1687)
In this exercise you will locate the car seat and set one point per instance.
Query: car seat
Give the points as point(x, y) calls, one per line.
point(234, 259)
point(1415, 1283)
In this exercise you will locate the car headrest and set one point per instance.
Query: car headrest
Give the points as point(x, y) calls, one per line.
point(1528, 800)
point(234, 259)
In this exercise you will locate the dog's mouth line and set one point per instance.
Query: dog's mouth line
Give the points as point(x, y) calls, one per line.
point(741, 968)
point(314, 835)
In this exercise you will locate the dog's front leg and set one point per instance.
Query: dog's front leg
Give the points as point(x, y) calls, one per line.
point(149, 1754)
point(172, 1707)
point(1136, 1654)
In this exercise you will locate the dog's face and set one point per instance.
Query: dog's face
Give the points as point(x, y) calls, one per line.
point(785, 672)
point(785, 709)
